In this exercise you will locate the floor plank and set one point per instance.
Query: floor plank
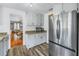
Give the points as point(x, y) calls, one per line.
point(39, 50)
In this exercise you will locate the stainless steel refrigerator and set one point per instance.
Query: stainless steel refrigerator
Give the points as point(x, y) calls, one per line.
point(63, 34)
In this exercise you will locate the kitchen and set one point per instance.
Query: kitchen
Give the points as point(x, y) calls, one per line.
point(38, 29)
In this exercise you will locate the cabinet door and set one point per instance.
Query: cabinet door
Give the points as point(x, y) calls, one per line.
point(30, 41)
point(45, 36)
point(27, 41)
point(29, 19)
point(40, 20)
point(37, 20)
point(40, 38)
point(34, 19)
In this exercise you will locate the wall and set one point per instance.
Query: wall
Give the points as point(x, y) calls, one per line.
point(58, 7)
point(0, 15)
point(1, 21)
point(46, 25)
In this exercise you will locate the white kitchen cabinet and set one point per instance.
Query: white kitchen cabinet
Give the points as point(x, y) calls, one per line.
point(29, 20)
point(34, 19)
point(35, 39)
point(40, 20)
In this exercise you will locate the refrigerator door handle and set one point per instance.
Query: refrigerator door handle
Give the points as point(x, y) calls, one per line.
point(58, 29)
point(62, 46)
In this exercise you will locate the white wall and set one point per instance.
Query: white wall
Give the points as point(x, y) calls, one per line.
point(57, 8)
point(46, 25)
point(1, 21)
point(0, 15)
point(70, 6)
point(28, 21)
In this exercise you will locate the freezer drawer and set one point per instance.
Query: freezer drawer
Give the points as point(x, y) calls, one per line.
point(56, 50)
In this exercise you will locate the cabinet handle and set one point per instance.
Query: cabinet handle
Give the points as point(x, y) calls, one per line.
point(58, 28)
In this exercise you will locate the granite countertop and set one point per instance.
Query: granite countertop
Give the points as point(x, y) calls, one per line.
point(2, 36)
point(35, 32)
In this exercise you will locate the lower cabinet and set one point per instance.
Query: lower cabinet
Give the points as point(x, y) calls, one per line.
point(35, 39)
point(4, 46)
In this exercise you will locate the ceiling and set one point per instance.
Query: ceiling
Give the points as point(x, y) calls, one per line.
point(36, 7)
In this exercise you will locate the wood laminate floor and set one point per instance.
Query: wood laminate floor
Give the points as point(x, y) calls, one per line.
point(39, 50)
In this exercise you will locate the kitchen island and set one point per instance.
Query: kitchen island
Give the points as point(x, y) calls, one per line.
point(34, 38)
point(35, 32)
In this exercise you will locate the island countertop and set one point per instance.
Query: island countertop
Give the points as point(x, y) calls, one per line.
point(35, 32)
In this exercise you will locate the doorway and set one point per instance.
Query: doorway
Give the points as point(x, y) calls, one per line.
point(16, 33)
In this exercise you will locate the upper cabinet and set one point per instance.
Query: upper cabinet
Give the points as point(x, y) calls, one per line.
point(33, 19)
point(40, 20)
